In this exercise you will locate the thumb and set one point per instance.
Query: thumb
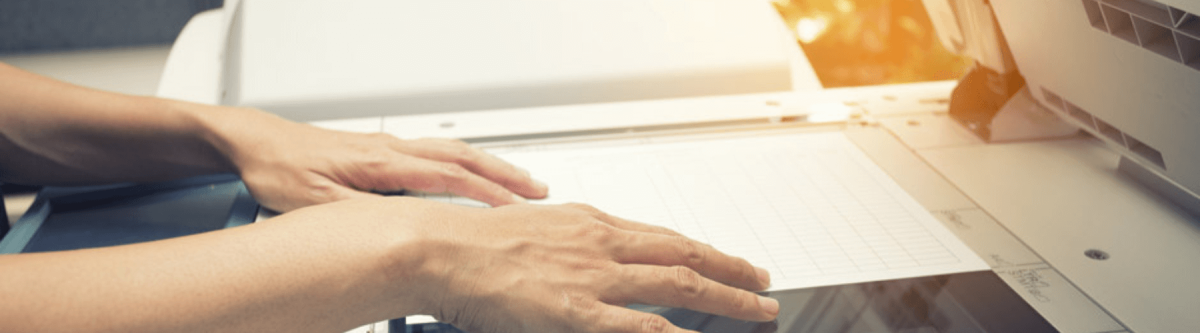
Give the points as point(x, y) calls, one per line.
point(330, 193)
point(339, 192)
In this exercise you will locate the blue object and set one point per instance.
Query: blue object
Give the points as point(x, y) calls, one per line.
point(68, 218)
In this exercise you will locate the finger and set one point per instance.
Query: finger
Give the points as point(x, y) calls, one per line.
point(440, 177)
point(615, 319)
point(479, 162)
point(663, 250)
point(638, 226)
point(621, 223)
point(682, 287)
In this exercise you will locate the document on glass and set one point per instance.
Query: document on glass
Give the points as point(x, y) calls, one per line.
point(811, 208)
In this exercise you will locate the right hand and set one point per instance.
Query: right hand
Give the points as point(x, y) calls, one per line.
point(570, 268)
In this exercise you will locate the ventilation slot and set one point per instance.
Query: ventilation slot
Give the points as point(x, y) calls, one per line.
point(1083, 116)
point(1146, 152)
point(1156, 38)
point(1120, 24)
point(1177, 16)
point(1104, 130)
point(1053, 99)
point(1189, 50)
point(1164, 30)
point(1144, 9)
point(1110, 132)
point(1095, 17)
point(1185, 22)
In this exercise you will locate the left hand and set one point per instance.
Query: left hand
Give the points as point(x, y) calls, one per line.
point(289, 165)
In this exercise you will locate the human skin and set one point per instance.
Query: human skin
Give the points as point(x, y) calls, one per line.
point(339, 256)
point(53, 133)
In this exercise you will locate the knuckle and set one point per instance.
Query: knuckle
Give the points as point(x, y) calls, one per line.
point(740, 302)
point(322, 191)
point(653, 324)
point(747, 270)
point(581, 207)
point(688, 283)
point(591, 265)
point(576, 306)
point(466, 155)
point(664, 230)
point(599, 231)
point(589, 211)
point(452, 172)
point(690, 252)
point(376, 162)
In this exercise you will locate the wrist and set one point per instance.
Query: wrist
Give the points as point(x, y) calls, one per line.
point(234, 133)
point(400, 267)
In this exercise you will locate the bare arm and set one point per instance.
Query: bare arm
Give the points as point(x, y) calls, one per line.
point(60, 134)
point(332, 267)
point(300, 273)
point(55, 133)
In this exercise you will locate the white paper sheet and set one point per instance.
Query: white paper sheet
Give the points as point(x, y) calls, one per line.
point(810, 208)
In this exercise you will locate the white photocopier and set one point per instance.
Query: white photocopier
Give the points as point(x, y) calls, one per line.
point(1052, 188)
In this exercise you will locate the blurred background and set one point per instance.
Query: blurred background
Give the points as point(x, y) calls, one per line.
point(849, 42)
point(35, 26)
point(870, 42)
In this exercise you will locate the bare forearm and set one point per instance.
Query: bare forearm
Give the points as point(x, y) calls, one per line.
point(53, 133)
point(297, 274)
point(56, 133)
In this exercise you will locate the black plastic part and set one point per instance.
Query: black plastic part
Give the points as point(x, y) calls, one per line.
point(3, 215)
point(980, 95)
point(18, 188)
point(57, 25)
point(69, 218)
point(397, 325)
point(974, 302)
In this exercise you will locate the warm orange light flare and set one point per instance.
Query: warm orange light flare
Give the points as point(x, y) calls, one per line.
point(808, 29)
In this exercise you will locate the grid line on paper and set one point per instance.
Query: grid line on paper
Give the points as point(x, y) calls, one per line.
point(811, 176)
point(809, 208)
point(842, 183)
point(791, 231)
point(742, 214)
point(893, 199)
point(778, 217)
point(802, 244)
point(874, 253)
point(691, 217)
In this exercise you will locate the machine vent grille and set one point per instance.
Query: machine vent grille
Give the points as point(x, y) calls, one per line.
point(1164, 30)
point(1104, 129)
point(1083, 116)
point(1110, 132)
point(1146, 152)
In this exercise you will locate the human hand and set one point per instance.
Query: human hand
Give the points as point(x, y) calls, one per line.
point(572, 268)
point(288, 165)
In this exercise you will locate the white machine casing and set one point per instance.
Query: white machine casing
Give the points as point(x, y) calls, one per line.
point(1059, 197)
point(313, 60)
point(1127, 71)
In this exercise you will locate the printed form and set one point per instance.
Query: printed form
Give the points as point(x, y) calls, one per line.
point(811, 208)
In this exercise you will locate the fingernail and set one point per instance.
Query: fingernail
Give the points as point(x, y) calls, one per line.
point(763, 276)
point(522, 170)
point(519, 199)
point(770, 305)
point(540, 185)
